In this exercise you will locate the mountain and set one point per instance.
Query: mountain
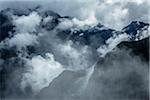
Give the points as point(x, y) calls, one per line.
point(14, 60)
point(139, 48)
point(93, 36)
point(135, 29)
point(99, 34)
point(6, 25)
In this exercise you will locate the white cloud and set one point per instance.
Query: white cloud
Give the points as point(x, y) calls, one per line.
point(41, 72)
point(113, 13)
point(67, 23)
point(47, 19)
point(27, 23)
point(111, 43)
point(112, 16)
point(22, 40)
point(77, 58)
point(143, 33)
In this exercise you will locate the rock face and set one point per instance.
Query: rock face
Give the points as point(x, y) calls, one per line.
point(5, 25)
point(140, 48)
point(135, 29)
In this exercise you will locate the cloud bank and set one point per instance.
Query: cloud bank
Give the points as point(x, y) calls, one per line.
point(112, 13)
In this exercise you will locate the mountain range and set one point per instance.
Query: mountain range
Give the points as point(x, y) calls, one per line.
point(101, 40)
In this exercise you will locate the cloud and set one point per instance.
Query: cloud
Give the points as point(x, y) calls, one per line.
point(138, 10)
point(72, 55)
point(20, 40)
point(23, 40)
point(112, 16)
point(25, 28)
point(113, 13)
point(27, 23)
point(118, 13)
point(76, 23)
point(42, 68)
point(41, 72)
point(143, 33)
point(111, 43)
point(65, 24)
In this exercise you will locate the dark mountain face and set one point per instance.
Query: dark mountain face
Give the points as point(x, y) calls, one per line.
point(140, 48)
point(54, 21)
point(99, 34)
point(6, 25)
point(15, 62)
point(92, 36)
point(135, 28)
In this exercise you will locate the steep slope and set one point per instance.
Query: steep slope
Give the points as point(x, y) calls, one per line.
point(140, 48)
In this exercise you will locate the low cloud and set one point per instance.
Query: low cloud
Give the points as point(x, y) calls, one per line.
point(111, 43)
point(27, 23)
point(22, 40)
point(40, 72)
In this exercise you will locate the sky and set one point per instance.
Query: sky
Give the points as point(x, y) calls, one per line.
point(112, 13)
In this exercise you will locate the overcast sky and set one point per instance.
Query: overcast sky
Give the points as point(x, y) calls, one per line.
point(112, 13)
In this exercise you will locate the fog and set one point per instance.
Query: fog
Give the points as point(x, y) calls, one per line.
point(40, 61)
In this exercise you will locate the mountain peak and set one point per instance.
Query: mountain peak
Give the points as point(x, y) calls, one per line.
point(137, 30)
point(134, 26)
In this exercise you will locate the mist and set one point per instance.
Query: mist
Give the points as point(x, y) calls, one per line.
point(68, 50)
